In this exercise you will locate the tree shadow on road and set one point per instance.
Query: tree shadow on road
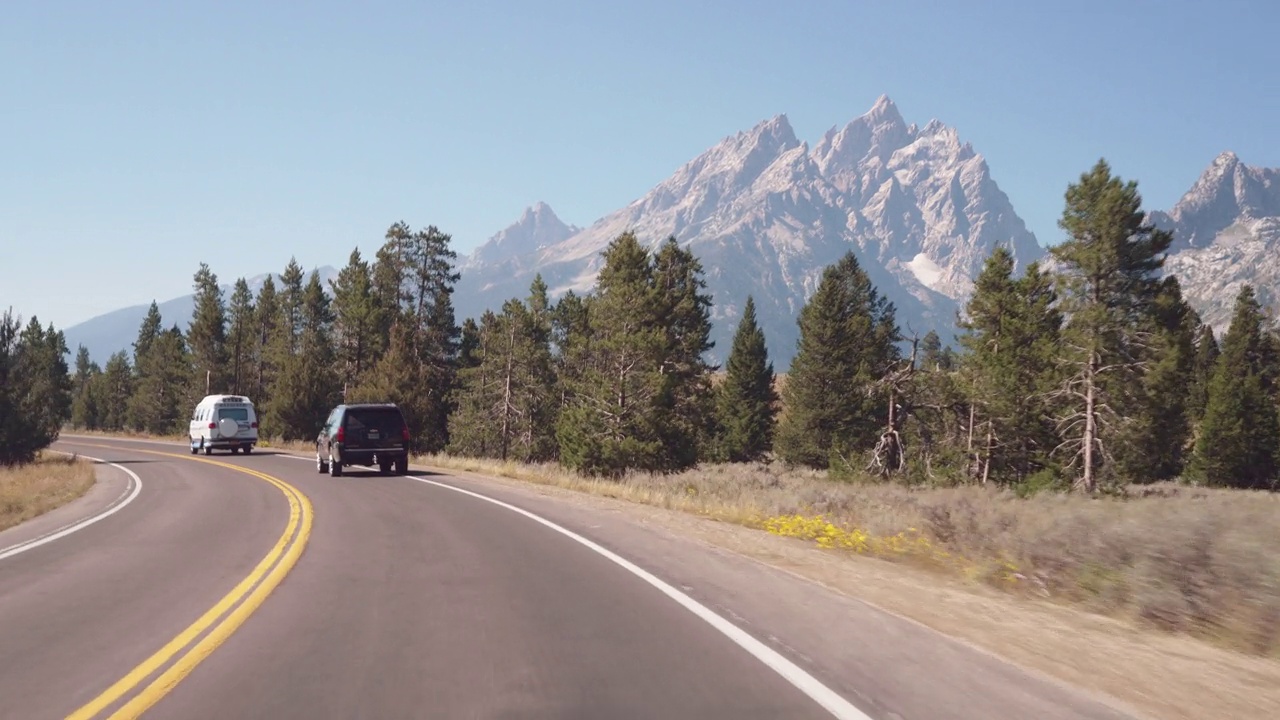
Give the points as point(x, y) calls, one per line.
point(363, 472)
point(131, 462)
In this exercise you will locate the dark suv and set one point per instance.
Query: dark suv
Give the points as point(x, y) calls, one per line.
point(364, 434)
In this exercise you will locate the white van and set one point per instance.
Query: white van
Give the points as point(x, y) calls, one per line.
point(224, 422)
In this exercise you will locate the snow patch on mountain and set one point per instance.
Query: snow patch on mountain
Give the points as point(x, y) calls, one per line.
point(926, 271)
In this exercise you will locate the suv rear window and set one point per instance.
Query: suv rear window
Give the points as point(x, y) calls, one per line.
point(241, 414)
point(386, 420)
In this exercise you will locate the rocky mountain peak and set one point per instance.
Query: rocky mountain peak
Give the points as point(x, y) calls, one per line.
point(875, 134)
point(538, 227)
point(884, 112)
point(1226, 232)
point(1226, 192)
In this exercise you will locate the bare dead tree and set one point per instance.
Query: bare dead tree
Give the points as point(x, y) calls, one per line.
point(1088, 397)
point(890, 454)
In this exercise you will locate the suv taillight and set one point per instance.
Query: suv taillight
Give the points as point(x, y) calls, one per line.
point(342, 433)
point(213, 425)
point(253, 425)
point(404, 433)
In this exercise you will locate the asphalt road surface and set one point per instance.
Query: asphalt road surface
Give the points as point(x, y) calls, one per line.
point(251, 586)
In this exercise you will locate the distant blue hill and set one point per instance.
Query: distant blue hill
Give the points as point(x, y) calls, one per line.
point(112, 332)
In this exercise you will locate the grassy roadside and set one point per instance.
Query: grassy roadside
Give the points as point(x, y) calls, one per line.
point(1186, 560)
point(31, 490)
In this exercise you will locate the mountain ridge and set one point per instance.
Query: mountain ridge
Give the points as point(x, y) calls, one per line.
point(766, 212)
point(1226, 230)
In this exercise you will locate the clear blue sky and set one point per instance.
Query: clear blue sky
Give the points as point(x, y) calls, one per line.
point(140, 139)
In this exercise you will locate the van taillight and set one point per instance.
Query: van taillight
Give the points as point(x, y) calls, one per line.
point(342, 433)
point(404, 433)
point(253, 425)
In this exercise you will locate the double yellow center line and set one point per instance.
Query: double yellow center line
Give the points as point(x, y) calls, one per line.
point(215, 626)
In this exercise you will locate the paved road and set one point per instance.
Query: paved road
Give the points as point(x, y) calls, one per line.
point(411, 600)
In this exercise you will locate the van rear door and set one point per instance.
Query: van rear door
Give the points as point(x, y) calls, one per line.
point(238, 413)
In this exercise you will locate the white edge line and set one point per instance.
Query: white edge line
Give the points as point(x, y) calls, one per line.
point(112, 509)
point(829, 699)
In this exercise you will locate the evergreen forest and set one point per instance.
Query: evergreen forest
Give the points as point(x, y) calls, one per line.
point(1087, 372)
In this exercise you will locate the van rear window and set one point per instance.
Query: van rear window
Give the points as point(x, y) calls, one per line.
point(241, 414)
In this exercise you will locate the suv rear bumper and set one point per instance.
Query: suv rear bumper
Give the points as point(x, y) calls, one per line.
point(364, 456)
point(230, 442)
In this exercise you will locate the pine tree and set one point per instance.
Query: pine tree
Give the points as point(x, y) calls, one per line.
point(147, 332)
point(308, 385)
point(396, 378)
point(931, 354)
point(1011, 338)
point(469, 345)
point(612, 422)
point(389, 276)
point(12, 430)
point(284, 390)
point(570, 342)
point(413, 279)
point(35, 388)
point(1202, 365)
point(746, 401)
point(684, 310)
point(472, 430)
point(1110, 265)
point(357, 319)
point(115, 387)
point(291, 299)
point(848, 339)
point(207, 336)
point(537, 391)
point(85, 407)
point(438, 358)
point(507, 402)
point(162, 394)
point(1239, 441)
point(241, 337)
point(140, 406)
point(267, 328)
point(1153, 443)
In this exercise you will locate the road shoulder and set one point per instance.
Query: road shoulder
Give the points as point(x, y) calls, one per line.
point(110, 486)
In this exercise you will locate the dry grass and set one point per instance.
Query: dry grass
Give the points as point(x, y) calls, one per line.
point(30, 490)
point(1192, 561)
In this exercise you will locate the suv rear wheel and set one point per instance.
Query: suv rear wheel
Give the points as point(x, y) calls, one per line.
point(335, 467)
